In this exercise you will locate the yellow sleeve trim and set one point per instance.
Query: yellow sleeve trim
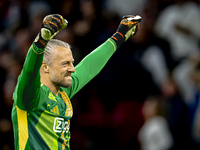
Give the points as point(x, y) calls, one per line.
point(36, 51)
point(112, 44)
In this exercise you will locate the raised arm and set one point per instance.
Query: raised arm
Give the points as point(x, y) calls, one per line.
point(28, 85)
point(92, 64)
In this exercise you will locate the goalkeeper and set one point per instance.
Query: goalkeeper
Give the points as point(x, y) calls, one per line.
point(42, 109)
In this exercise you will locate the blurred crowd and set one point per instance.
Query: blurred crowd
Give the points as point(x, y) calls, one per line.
point(147, 96)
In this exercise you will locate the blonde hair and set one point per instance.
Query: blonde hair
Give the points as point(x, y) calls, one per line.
point(50, 48)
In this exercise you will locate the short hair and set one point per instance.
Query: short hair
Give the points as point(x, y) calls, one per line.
point(50, 48)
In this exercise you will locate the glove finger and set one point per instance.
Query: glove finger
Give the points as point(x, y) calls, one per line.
point(63, 22)
point(132, 18)
point(136, 18)
point(53, 22)
point(127, 16)
point(58, 20)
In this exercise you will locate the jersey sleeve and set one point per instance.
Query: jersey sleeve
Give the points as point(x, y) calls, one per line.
point(91, 65)
point(28, 84)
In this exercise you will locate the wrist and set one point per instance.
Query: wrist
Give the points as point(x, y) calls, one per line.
point(37, 50)
point(40, 42)
point(119, 38)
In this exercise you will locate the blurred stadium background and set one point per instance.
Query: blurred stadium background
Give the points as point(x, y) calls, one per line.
point(147, 96)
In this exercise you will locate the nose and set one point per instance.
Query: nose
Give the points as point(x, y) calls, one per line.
point(71, 69)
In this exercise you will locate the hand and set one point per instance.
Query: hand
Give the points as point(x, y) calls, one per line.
point(127, 28)
point(51, 25)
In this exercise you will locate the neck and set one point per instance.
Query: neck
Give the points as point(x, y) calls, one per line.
point(53, 88)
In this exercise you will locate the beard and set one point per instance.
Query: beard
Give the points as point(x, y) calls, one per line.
point(60, 82)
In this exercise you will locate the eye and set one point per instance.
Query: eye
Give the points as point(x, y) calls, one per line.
point(65, 63)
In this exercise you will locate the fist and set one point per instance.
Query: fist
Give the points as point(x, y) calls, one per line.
point(127, 28)
point(51, 25)
point(129, 25)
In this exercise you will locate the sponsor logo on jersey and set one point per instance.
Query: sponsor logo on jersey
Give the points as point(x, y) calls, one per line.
point(60, 125)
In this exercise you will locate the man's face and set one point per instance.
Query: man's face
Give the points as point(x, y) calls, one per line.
point(62, 67)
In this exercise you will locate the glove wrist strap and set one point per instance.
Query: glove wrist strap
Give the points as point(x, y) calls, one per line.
point(40, 42)
point(118, 37)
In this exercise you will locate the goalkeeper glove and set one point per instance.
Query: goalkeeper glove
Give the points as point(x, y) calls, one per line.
point(127, 28)
point(51, 25)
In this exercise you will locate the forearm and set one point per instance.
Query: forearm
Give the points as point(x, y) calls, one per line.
point(91, 65)
point(29, 79)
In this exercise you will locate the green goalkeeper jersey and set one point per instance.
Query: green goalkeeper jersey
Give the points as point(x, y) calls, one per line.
point(41, 120)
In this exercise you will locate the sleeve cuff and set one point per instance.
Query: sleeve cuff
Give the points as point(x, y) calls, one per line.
point(113, 43)
point(37, 50)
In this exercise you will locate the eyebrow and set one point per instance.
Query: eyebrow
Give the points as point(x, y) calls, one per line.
point(68, 61)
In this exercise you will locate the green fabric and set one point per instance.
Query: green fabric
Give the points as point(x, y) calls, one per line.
point(45, 113)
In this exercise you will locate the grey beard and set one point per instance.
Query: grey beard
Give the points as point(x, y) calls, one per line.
point(59, 83)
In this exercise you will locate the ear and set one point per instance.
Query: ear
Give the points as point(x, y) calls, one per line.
point(45, 68)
